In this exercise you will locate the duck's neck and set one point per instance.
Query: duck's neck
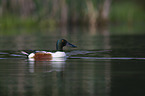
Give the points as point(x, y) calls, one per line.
point(59, 47)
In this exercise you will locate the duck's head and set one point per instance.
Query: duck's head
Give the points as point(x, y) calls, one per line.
point(61, 43)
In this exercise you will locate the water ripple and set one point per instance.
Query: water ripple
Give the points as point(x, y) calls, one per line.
point(92, 55)
point(108, 58)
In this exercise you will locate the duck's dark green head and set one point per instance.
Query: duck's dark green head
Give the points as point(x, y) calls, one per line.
point(61, 43)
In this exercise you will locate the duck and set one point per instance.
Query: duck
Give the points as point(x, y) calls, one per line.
point(49, 56)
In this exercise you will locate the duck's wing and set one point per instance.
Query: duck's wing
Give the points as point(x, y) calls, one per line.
point(28, 52)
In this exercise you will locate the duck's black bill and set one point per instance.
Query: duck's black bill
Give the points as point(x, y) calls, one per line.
point(71, 45)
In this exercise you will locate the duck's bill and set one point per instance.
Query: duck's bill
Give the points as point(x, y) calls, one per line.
point(71, 45)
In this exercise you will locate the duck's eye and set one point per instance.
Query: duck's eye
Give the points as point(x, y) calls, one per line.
point(63, 42)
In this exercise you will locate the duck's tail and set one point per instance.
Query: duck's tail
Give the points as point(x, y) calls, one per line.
point(28, 52)
point(25, 53)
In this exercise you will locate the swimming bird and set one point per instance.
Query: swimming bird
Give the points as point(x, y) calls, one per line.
point(48, 56)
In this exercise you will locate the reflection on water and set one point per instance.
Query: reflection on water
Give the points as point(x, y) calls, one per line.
point(46, 39)
point(73, 77)
point(102, 65)
point(44, 66)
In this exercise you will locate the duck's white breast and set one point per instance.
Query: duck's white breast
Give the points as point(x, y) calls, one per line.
point(31, 55)
point(58, 54)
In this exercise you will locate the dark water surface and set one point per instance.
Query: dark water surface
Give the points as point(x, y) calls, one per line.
point(102, 65)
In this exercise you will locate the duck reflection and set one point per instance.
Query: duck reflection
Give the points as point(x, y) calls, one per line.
point(47, 65)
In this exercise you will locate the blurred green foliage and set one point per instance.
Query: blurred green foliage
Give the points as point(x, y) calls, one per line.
point(52, 13)
point(127, 12)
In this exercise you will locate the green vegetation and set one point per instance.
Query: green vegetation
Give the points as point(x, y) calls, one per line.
point(53, 13)
point(12, 22)
point(128, 12)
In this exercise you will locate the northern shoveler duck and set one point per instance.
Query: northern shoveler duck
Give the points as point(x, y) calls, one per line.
point(48, 56)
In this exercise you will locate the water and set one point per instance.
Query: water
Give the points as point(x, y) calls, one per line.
point(102, 65)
